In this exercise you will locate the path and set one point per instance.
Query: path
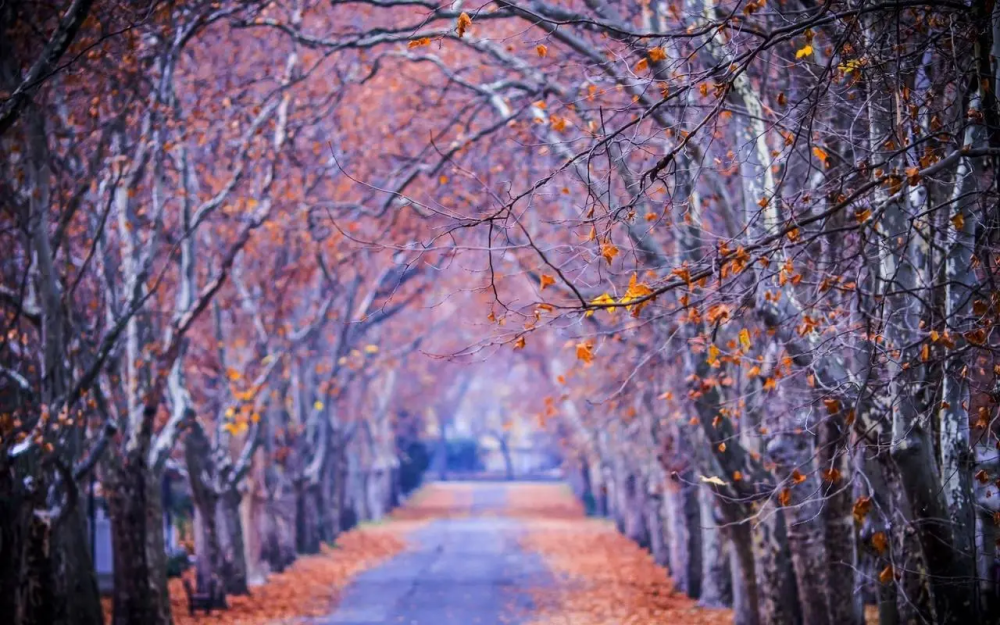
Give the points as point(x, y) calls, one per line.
point(468, 570)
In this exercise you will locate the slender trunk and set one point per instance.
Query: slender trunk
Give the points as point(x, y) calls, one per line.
point(777, 594)
point(233, 544)
point(657, 542)
point(746, 609)
point(307, 538)
point(843, 581)
point(716, 588)
point(210, 561)
point(684, 522)
point(793, 458)
point(508, 462)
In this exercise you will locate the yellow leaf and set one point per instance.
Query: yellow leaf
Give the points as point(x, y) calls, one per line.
point(542, 50)
point(371, 349)
point(804, 51)
point(636, 290)
point(464, 21)
point(745, 339)
point(318, 405)
point(713, 355)
point(712, 480)
point(602, 299)
point(546, 280)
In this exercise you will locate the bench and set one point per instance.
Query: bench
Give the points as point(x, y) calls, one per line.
point(215, 597)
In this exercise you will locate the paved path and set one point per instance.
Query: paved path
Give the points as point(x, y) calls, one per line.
point(465, 571)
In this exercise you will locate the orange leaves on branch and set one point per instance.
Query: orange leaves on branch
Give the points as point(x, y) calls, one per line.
point(862, 506)
point(832, 405)
point(821, 155)
point(641, 65)
point(831, 476)
point(544, 281)
point(464, 21)
point(785, 497)
point(419, 43)
point(958, 221)
point(804, 51)
point(797, 477)
point(609, 251)
point(558, 123)
point(880, 542)
point(542, 50)
point(887, 574)
point(636, 290)
point(584, 352)
point(519, 343)
point(657, 54)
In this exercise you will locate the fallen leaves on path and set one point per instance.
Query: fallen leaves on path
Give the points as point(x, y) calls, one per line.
point(439, 500)
point(545, 501)
point(309, 587)
point(602, 577)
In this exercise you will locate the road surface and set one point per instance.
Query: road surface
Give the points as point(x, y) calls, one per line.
point(458, 571)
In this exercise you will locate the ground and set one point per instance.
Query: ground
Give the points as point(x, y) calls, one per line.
point(472, 553)
point(513, 554)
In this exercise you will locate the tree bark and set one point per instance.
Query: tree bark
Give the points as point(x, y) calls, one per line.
point(777, 594)
point(793, 456)
point(716, 581)
point(233, 543)
point(140, 577)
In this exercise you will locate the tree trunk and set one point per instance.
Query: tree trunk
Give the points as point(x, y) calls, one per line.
point(746, 609)
point(306, 519)
point(232, 543)
point(777, 594)
point(716, 588)
point(140, 578)
point(793, 455)
point(684, 521)
point(843, 581)
point(657, 537)
point(210, 562)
